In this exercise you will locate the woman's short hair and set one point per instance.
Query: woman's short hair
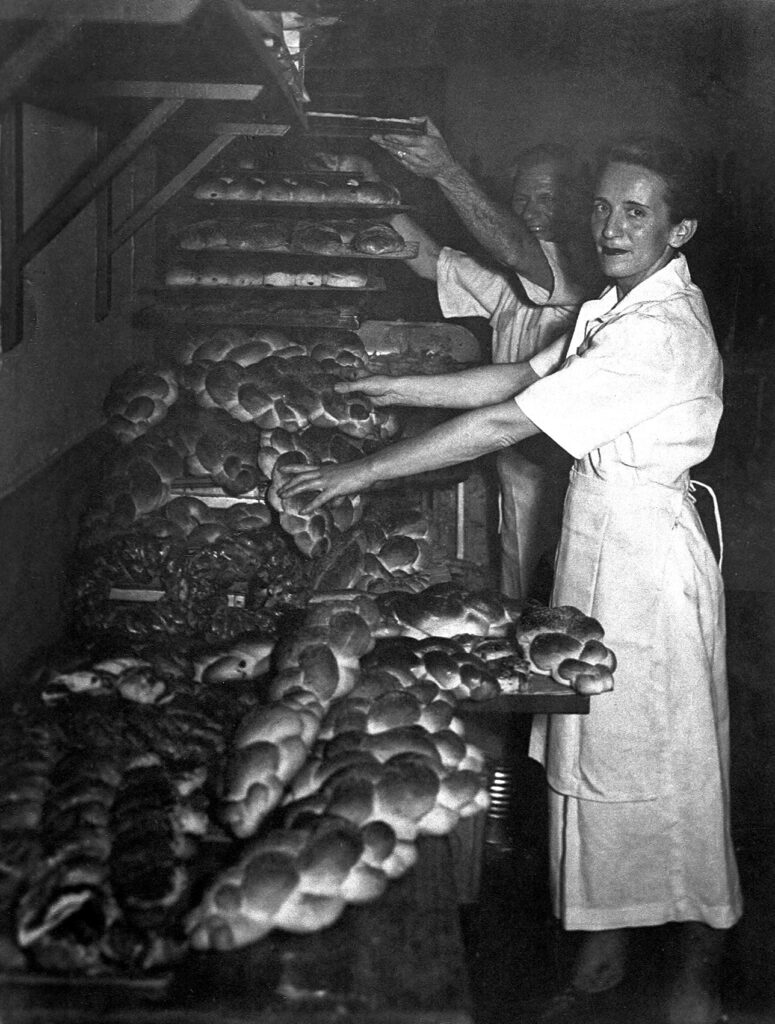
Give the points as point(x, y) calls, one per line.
point(674, 163)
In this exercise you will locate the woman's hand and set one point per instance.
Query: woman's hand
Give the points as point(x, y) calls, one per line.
point(380, 389)
point(330, 480)
point(427, 156)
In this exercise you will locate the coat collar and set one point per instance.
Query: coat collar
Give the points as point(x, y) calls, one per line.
point(672, 278)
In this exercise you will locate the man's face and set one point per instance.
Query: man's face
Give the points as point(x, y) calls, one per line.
point(539, 200)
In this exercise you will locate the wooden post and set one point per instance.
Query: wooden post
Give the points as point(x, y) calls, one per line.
point(11, 226)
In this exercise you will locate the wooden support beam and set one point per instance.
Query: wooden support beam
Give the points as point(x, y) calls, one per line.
point(229, 91)
point(103, 287)
point(19, 68)
point(150, 208)
point(248, 26)
point(69, 205)
point(11, 225)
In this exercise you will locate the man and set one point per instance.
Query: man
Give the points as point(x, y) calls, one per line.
point(530, 302)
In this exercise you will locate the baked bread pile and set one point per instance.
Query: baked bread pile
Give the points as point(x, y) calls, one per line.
point(138, 399)
point(567, 645)
point(112, 786)
point(303, 190)
point(321, 238)
point(363, 761)
point(233, 273)
point(215, 574)
point(449, 610)
point(383, 553)
point(237, 235)
point(285, 390)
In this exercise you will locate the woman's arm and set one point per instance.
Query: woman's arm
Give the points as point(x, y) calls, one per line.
point(466, 389)
point(459, 440)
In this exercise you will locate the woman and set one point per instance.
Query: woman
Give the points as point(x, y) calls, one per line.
point(638, 789)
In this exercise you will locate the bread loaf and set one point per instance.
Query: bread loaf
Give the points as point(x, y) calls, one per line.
point(138, 399)
point(378, 240)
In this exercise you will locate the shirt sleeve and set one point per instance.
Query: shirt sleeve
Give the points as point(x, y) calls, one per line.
point(625, 376)
point(465, 287)
point(567, 291)
point(551, 358)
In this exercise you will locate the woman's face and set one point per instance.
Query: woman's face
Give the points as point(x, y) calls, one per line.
point(631, 225)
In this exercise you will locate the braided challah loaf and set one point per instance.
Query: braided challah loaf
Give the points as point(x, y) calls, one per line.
point(448, 610)
point(238, 345)
point(378, 556)
point(566, 644)
point(315, 666)
point(388, 764)
point(138, 399)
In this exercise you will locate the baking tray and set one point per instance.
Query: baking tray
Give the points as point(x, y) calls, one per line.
point(358, 125)
point(253, 204)
point(167, 311)
point(374, 284)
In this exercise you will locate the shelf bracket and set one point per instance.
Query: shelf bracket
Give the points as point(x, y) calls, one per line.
point(152, 206)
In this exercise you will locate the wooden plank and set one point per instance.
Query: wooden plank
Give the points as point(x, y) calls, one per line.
point(19, 68)
point(251, 129)
point(103, 288)
point(248, 26)
point(229, 91)
point(69, 205)
point(140, 11)
point(11, 223)
point(169, 191)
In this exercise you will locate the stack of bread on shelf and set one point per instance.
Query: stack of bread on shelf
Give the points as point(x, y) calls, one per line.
point(322, 238)
point(302, 189)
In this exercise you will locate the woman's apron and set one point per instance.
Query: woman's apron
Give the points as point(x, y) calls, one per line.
point(622, 544)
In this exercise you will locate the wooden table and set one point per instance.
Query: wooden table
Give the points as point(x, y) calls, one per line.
point(399, 960)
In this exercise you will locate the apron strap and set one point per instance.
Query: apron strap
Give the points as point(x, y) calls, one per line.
point(716, 513)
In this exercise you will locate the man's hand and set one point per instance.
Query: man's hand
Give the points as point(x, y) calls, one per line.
point(427, 156)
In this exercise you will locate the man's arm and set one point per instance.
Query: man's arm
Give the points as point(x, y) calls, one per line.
point(424, 265)
point(497, 228)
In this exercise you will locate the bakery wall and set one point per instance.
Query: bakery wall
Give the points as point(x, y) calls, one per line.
point(53, 383)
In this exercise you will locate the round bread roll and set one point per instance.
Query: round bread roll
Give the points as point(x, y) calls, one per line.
point(378, 240)
point(309, 278)
point(247, 279)
point(278, 191)
point(280, 279)
point(181, 276)
point(311, 192)
point(323, 239)
point(346, 277)
point(375, 193)
point(214, 188)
